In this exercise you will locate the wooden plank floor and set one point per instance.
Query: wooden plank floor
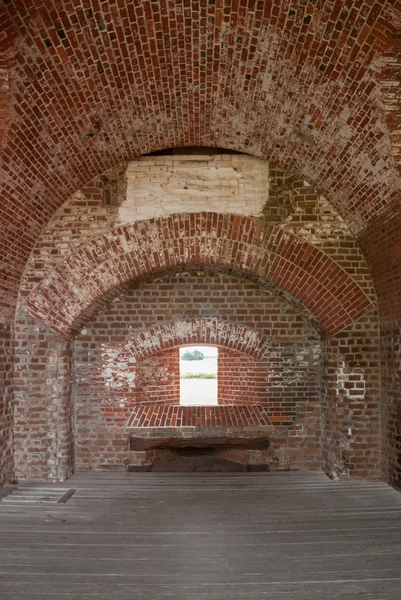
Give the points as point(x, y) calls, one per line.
point(253, 536)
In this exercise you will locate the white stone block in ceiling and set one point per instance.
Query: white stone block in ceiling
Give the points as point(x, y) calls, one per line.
point(226, 183)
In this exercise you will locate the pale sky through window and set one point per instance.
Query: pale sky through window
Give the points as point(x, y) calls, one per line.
point(198, 378)
point(208, 351)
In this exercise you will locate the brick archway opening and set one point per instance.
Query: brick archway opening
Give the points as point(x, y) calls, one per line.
point(101, 269)
point(338, 141)
point(138, 397)
point(239, 378)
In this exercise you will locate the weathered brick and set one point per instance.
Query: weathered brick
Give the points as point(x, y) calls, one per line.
point(121, 356)
point(298, 83)
point(238, 244)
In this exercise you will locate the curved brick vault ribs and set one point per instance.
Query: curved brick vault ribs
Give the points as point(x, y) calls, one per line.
point(243, 244)
point(293, 82)
point(121, 359)
point(213, 331)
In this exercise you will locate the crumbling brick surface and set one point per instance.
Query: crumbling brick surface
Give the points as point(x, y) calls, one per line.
point(6, 406)
point(382, 246)
point(291, 204)
point(157, 379)
point(351, 401)
point(391, 401)
point(43, 411)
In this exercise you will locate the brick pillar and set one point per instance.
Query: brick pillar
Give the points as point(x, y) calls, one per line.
point(351, 401)
point(43, 408)
point(6, 415)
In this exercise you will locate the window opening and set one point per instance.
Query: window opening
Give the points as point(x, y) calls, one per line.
point(198, 375)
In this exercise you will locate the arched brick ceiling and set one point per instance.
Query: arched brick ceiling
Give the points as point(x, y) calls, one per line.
point(4, 96)
point(241, 244)
point(391, 88)
point(8, 37)
point(96, 82)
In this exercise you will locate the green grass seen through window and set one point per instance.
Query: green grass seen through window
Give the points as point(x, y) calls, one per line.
point(199, 376)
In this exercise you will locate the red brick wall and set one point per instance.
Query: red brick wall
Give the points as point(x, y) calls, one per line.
point(382, 246)
point(293, 205)
point(43, 426)
point(294, 354)
point(241, 379)
point(336, 140)
point(6, 406)
point(391, 401)
point(351, 401)
point(297, 207)
point(157, 379)
point(294, 376)
point(104, 372)
point(305, 274)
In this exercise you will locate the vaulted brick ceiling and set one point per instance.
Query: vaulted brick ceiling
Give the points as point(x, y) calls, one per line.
point(310, 85)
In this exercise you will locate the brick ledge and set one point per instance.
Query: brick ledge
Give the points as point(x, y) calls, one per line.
point(175, 416)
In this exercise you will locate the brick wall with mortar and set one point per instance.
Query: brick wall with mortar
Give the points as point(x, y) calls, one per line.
point(94, 210)
point(288, 202)
point(322, 119)
point(43, 410)
point(382, 246)
point(232, 85)
point(296, 206)
point(157, 379)
point(351, 401)
point(242, 379)
point(390, 345)
point(294, 359)
point(6, 406)
point(305, 275)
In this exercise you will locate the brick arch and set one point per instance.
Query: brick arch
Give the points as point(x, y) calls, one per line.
point(125, 358)
point(246, 95)
point(162, 342)
point(210, 330)
point(241, 244)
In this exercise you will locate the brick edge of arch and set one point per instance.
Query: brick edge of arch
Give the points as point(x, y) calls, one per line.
point(204, 330)
point(245, 245)
point(211, 330)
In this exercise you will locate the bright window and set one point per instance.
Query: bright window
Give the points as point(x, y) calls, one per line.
point(198, 375)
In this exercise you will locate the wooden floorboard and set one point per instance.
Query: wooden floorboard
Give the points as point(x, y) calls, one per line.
point(214, 536)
